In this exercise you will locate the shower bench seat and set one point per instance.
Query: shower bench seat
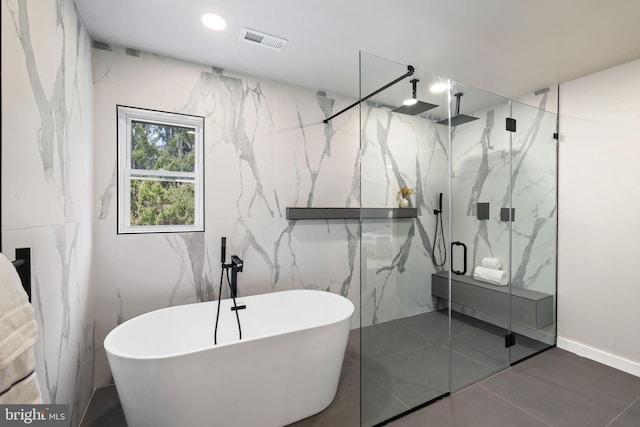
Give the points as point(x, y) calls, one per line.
point(531, 309)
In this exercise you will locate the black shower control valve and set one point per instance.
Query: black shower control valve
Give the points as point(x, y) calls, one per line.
point(482, 211)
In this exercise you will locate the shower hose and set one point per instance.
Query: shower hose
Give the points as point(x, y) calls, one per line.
point(438, 213)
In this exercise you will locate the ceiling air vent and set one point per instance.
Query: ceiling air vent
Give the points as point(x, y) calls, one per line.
point(101, 45)
point(133, 52)
point(262, 39)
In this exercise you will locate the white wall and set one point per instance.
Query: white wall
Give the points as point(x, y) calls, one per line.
point(47, 182)
point(599, 217)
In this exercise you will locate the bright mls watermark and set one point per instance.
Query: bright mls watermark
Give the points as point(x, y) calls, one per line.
point(35, 415)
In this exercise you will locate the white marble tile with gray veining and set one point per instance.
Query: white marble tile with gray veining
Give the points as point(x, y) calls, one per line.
point(49, 181)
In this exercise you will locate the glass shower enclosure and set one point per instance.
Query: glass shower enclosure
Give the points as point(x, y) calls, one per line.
point(461, 282)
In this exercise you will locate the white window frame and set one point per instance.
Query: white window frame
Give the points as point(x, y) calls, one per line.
point(125, 116)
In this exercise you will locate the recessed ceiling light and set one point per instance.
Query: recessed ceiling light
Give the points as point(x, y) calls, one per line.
point(439, 87)
point(213, 21)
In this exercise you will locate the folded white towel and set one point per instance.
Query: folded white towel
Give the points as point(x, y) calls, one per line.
point(494, 263)
point(19, 382)
point(18, 333)
point(24, 392)
point(489, 275)
point(18, 329)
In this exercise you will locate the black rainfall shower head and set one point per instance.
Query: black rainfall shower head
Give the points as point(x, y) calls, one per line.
point(458, 119)
point(416, 107)
point(412, 110)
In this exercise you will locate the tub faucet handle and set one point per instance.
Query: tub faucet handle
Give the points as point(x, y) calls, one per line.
point(236, 263)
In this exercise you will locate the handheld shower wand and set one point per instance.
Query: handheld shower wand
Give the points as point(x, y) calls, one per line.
point(438, 214)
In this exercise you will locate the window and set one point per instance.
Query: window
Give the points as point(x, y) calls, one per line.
point(160, 171)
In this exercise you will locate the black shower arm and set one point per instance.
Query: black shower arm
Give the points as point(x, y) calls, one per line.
point(410, 71)
point(458, 96)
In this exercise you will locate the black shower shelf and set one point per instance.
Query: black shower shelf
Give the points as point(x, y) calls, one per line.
point(351, 213)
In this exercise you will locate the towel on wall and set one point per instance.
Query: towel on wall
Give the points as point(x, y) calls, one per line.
point(18, 334)
point(493, 263)
point(489, 275)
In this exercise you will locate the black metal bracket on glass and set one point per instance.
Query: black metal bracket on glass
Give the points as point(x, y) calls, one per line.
point(410, 71)
point(464, 258)
point(22, 265)
point(509, 340)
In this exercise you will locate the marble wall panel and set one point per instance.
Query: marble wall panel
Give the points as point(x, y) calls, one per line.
point(47, 111)
point(534, 195)
point(64, 352)
point(493, 166)
point(266, 148)
point(480, 174)
point(396, 265)
point(533, 264)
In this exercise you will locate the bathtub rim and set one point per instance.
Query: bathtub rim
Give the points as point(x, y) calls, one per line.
point(108, 347)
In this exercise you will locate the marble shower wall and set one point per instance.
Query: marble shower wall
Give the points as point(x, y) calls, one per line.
point(481, 171)
point(535, 189)
point(47, 184)
point(400, 150)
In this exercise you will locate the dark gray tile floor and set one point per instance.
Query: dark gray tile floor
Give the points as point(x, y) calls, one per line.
point(104, 409)
point(554, 388)
point(409, 358)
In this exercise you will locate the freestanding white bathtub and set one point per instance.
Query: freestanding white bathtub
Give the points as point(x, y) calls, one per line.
point(169, 373)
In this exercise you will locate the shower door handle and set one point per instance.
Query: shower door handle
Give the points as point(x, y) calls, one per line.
point(464, 258)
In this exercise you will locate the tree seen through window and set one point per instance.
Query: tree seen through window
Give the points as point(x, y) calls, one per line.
point(162, 200)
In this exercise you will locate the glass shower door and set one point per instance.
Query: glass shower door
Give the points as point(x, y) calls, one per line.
point(404, 332)
point(443, 308)
point(480, 235)
point(534, 194)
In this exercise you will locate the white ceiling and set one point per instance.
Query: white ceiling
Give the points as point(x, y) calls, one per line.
point(509, 47)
